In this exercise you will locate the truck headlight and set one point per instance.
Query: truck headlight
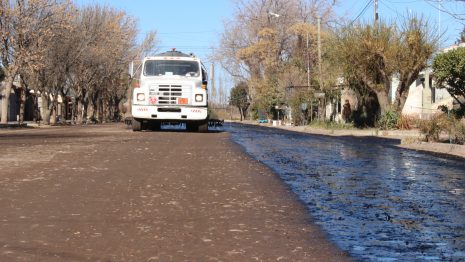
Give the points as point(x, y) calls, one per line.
point(198, 98)
point(140, 97)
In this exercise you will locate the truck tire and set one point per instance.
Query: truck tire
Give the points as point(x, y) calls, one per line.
point(136, 125)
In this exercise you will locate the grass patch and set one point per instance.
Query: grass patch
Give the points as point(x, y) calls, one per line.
point(330, 125)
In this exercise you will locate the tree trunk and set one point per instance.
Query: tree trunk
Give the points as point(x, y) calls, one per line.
point(383, 99)
point(85, 108)
point(401, 102)
point(79, 112)
point(22, 104)
point(101, 111)
point(36, 114)
point(6, 98)
point(398, 105)
point(53, 114)
point(45, 108)
point(116, 112)
point(53, 110)
point(240, 112)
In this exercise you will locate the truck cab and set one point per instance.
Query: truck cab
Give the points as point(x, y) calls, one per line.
point(172, 88)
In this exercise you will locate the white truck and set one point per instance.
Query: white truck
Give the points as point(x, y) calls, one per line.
point(172, 88)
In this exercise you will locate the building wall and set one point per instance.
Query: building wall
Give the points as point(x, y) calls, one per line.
point(424, 98)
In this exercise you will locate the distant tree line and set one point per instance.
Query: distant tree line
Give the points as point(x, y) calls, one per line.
point(55, 48)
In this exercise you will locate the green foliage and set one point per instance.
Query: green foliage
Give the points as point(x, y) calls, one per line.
point(331, 125)
point(394, 120)
point(449, 73)
point(388, 120)
point(239, 97)
point(456, 113)
point(367, 112)
point(268, 96)
point(295, 103)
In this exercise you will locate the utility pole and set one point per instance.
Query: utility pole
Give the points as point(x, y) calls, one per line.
point(319, 52)
point(308, 62)
point(308, 77)
point(320, 72)
point(375, 5)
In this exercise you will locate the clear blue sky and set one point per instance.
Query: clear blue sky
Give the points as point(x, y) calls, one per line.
point(189, 26)
point(195, 26)
point(392, 10)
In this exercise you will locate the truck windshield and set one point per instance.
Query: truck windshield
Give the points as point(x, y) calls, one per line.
point(171, 67)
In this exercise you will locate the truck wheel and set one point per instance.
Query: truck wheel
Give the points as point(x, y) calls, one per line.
point(136, 125)
point(202, 127)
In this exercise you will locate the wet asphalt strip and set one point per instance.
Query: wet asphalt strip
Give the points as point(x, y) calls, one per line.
point(376, 201)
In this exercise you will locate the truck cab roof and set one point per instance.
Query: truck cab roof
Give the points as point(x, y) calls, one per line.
point(172, 55)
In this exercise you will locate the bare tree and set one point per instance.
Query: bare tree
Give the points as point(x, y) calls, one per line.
point(108, 41)
point(261, 44)
point(25, 27)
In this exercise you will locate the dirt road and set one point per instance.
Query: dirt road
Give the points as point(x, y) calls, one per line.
point(104, 193)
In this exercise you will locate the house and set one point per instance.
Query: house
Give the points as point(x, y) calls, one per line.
point(14, 100)
point(32, 104)
point(424, 98)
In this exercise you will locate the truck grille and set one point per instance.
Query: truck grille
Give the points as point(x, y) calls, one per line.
point(168, 94)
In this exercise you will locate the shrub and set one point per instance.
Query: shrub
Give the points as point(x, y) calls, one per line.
point(331, 125)
point(388, 120)
point(406, 122)
point(433, 128)
point(458, 133)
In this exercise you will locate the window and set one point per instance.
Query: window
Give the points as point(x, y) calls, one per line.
point(171, 67)
point(204, 75)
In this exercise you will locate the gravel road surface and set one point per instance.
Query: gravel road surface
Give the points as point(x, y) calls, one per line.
point(104, 193)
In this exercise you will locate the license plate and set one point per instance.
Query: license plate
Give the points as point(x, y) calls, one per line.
point(183, 101)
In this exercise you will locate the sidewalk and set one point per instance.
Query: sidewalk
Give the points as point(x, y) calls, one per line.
point(13, 125)
point(409, 139)
point(26, 124)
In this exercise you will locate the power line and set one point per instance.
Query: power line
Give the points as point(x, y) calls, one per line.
point(363, 11)
point(393, 9)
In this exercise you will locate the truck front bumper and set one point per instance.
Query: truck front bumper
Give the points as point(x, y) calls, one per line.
point(169, 113)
